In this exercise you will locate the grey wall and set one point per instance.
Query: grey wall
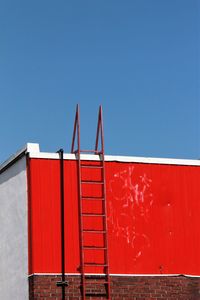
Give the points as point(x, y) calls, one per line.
point(13, 233)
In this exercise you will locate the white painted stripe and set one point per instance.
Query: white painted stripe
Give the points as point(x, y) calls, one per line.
point(121, 275)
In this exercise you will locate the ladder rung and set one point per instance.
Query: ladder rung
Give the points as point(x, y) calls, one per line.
point(94, 231)
point(94, 247)
point(96, 264)
point(90, 151)
point(96, 282)
point(92, 182)
point(96, 294)
point(91, 167)
point(93, 215)
point(92, 198)
point(87, 151)
point(96, 277)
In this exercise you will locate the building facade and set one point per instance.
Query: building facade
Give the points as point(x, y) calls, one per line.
point(153, 227)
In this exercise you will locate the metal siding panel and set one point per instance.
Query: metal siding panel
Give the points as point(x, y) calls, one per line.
point(153, 217)
point(45, 216)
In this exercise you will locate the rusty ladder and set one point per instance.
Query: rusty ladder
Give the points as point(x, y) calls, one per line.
point(92, 212)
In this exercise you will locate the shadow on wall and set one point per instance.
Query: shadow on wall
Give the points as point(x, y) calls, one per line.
point(13, 170)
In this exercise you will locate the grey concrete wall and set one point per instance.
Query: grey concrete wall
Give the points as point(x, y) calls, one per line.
point(13, 233)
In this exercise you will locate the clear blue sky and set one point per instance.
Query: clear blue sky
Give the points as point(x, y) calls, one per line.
point(139, 58)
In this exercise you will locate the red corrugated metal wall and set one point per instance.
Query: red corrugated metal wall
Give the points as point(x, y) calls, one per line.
point(153, 217)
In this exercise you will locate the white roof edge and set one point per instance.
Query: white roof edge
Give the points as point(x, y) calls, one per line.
point(33, 149)
point(153, 160)
point(134, 159)
point(28, 148)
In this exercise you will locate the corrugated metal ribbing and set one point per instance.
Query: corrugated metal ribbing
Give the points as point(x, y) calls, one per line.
point(153, 217)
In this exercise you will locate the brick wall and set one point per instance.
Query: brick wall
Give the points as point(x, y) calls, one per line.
point(136, 288)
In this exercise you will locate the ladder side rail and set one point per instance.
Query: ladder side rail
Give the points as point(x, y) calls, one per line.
point(100, 136)
point(102, 130)
point(98, 128)
point(76, 131)
point(105, 228)
point(80, 207)
point(104, 203)
point(76, 135)
point(99, 149)
point(81, 228)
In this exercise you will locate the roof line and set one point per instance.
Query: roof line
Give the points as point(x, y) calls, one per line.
point(118, 158)
point(28, 148)
point(33, 150)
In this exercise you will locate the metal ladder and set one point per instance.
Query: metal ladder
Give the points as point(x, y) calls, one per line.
point(94, 262)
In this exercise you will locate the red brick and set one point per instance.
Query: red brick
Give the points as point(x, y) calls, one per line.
point(43, 287)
